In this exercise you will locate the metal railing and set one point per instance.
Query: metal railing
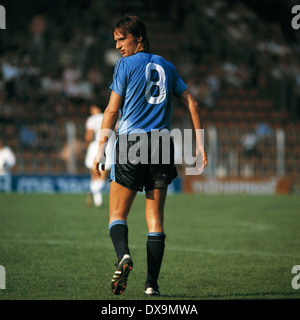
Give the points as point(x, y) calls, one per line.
point(58, 148)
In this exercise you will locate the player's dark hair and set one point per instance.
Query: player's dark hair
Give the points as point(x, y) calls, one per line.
point(135, 26)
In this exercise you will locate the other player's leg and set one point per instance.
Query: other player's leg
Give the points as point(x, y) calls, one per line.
point(96, 186)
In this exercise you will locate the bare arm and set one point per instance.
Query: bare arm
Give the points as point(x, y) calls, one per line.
point(187, 99)
point(89, 135)
point(110, 118)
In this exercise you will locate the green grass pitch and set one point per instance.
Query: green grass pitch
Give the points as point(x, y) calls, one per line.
point(218, 247)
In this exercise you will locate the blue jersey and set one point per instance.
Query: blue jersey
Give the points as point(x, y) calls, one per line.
point(146, 82)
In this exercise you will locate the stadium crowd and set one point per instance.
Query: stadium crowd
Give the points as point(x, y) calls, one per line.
point(62, 57)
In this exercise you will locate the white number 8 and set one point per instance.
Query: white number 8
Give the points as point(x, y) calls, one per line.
point(160, 83)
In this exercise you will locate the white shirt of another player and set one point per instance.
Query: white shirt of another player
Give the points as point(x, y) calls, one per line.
point(7, 160)
point(94, 123)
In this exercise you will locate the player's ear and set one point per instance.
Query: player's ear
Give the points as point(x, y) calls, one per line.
point(139, 39)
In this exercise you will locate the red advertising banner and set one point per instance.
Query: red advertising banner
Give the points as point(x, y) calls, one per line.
point(196, 184)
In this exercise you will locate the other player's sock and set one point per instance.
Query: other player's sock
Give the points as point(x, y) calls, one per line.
point(155, 253)
point(118, 230)
point(97, 197)
point(96, 188)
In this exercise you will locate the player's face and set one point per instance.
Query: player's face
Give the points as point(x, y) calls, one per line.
point(127, 45)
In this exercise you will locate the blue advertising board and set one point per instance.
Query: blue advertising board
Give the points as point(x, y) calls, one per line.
point(57, 184)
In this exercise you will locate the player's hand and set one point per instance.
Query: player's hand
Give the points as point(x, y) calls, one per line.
point(204, 159)
point(202, 163)
point(199, 164)
point(99, 164)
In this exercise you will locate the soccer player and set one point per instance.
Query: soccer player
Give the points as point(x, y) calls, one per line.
point(7, 159)
point(142, 87)
point(92, 137)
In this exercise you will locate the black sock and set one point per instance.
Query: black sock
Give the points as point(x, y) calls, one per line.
point(155, 253)
point(119, 237)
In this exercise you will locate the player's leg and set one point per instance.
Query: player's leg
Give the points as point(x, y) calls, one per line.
point(155, 203)
point(120, 203)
